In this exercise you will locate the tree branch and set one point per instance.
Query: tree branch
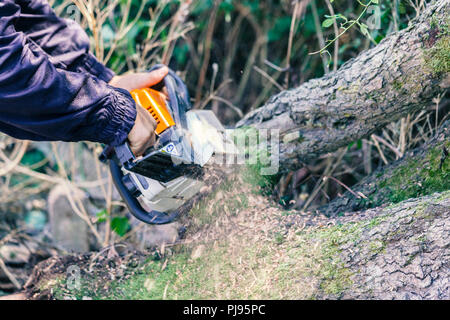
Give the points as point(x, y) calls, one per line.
point(381, 85)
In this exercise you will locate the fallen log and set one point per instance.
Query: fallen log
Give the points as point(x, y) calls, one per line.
point(402, 74)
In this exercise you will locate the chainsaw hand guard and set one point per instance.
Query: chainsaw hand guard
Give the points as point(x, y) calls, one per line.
point(149, 217)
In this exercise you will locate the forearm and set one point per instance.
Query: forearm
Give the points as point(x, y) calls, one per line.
point(39, 101)
point(63, 40)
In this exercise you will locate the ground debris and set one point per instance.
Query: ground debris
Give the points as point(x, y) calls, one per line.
point(98, 269)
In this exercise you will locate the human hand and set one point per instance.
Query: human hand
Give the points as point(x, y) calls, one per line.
point(139, 80)
point(142, 135)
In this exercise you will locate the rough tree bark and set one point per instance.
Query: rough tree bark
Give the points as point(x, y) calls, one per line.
point(381, 85)
point(401, 254)
point(421, 171)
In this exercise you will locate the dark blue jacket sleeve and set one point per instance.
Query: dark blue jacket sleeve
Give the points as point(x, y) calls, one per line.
point(40, 100)
point(63, 40)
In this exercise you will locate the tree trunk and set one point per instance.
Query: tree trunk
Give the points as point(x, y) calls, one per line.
point(420, 172)
point(400, 75)
point(400, 254)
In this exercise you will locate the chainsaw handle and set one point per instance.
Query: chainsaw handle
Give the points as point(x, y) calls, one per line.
point(150, 217)
point(179, 105)
point(175, 87)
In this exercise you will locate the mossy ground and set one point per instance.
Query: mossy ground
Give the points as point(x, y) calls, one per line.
point(260, 259)
point(258, 252)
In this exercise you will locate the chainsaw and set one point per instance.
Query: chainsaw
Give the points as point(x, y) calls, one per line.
point(156, 185)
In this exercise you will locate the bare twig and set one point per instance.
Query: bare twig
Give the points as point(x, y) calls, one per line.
point(17, 154)
point(357, 195)
point(268, 77)
point(387, 144)
point(377, 145)
point(10, 276)
point(321, 39)
point(206, 54)
point(336, 32)
point(331, 167)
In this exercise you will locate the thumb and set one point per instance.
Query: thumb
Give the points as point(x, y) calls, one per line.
point(149, 79)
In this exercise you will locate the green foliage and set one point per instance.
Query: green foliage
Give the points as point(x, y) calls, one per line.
point(257, 156)
point(120, 225)
point(347, 24)
point(262, 183)
point(102, 216)
point(35, 220)
point(279, 28)
point(33, 158)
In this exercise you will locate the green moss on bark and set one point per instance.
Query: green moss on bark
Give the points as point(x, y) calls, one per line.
point(437, 57)
point(415, 179)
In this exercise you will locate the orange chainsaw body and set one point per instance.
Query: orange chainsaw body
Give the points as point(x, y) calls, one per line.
point(155, 102)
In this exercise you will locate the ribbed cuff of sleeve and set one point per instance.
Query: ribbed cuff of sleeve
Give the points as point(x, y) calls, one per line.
point(121, 115)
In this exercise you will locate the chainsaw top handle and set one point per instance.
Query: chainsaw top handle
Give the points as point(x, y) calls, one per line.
point(178, 96)
point(121, 156)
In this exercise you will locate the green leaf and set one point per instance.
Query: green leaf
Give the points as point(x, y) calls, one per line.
point(227, 6)
point(120, 225)
point(340, 16)
point(327, 23)
point(101, 216)
point(181, 53)
point(359, 144)
point(33, 157)
point(35, 220)
point(364, 29)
